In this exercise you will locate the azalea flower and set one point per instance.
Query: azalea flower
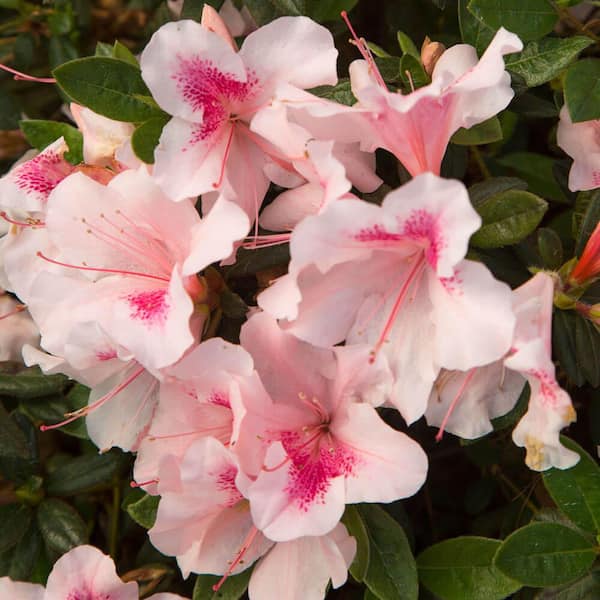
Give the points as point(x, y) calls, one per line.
point(394, 277)
point(16, 328)
point(323, 443)
point(82, 573)
point(581, 141)
point(213, 92)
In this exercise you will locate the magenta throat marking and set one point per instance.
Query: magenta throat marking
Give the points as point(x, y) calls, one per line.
point(421, 225)
point(42, 174)
point(151, 306)
point(226, 483)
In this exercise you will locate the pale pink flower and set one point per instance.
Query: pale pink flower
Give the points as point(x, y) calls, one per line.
point(550, 407)
point(323, 443)
point(199, 397)
point(213, 92)
point(16, 329)
point(83, 573)
point(581, 141)
point(394, 277)
point(301, 569)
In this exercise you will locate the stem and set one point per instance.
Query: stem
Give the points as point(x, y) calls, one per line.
point(567, 18)
point(114, 521)
point(480, 162)
point(519, 494)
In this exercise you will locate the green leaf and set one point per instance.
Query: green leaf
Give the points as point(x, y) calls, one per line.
point(41, 133)
point(250, 262)
point(327, 10)
point(537, 171)
point(484, 133)
point(232, 304)
point(10, 111)
point(28, 383)
point(576, 491)
point(109, 86)
point(507, 218)
point(14, 522)
point(550, 248)
point(545, 554)
point(143, 511)
point(407, 45)
point(192, 9)
point(341, 93)
point(472, 30)
point(60, 51)
point(25, 554)
point(392, 571)
point(587, 348)
point(480, 192)
point(564, 344)
point(582, 90)
point(542, 61)
point(86, 473)
point(145, 138)
point(462, 569)
point(529, 19)
point(123, 53)
point(584, 588)
point(357, 529)
point(60, 525)
point(233, 588)
point(585, 217)
point(413, 66)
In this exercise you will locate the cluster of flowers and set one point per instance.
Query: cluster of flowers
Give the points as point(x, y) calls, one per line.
point(256, 448)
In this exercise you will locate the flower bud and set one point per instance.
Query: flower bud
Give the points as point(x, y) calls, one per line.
point(430, 54)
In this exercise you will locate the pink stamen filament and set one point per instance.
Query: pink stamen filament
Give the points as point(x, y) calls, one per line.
point(208, 430)
point(364, 50)
point(303, 445)
point(454, 402)
point(86, 410)
point(19, 308)
point(266, 241)
point(18, 76)
point(240, 555)
point(28, 223)
point(135, 484)
point(99, 270)
point(414, 274)
point(217, 184)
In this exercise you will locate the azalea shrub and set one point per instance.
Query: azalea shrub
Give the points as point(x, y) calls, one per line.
point(300, 300)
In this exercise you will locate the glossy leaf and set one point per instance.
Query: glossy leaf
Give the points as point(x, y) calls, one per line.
point(529, 19)
point(29, 383)
point(41, 133)
point(108, 86)
point(462, 569)
point(545, 554)
point(61, 526)
point(392, 571)
point(357, 529)
point(14, 522)
point(582, 90)
point(143, 511)
point(507, 218)
point(542, 61)
point(145, 138)
point(233, 588)
point(576, 491)
point(484, 133)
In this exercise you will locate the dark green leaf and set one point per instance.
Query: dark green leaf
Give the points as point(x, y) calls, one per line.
point(537, 171)
point(232, 305)
point(14, 522)
point(508, 217)
point(529, 19)
point(576, 491)
point(233, 588)
point(582, 90)
point(28, 383)
point(585, 218)
point(392, 571)
point(327, 10)
point(357, 529)
point(250, 262)
point(564, 344)
point(124, 53)
point(480, 192)
point(108, 86)
point(584, 588)
point(462, 569)
point(60, 525)
point(587, 347)
point(550, 247)
point(545, 554)
point(42, 133)
point(25, 554)
point(145, 138)
point(86, 473)
point(484, 133)
point(473, 31)
point(143, 511)
point(60, 51)
point(412, 73)
point(10, 112)
point(542, 61)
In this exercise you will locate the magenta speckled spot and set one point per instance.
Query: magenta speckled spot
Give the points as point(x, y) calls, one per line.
point(150, 306)
point(596, 178)
point(204, 87)
point(377, 233)
point(314, 465)
point(219, 398)
point(422, 226)
point(87, 594)
point(453, 285)
point(548, 386)
point(226, 483)
point(41, 174)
